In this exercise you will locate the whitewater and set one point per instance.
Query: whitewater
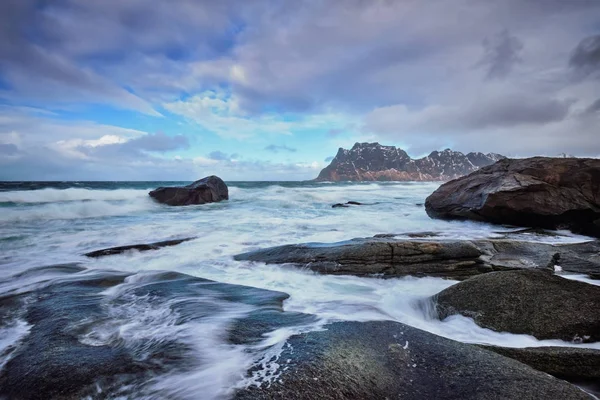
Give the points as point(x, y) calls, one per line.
point(45, 224)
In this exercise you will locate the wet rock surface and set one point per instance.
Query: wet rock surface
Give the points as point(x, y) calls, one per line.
point(427, 254)
point(574, 364)
point(137, 247)
point(206, 190)
point(449, 259)
point(107, 334)
point(554, 193)
point(531, 302)
point(424, 254)
point(377, 360)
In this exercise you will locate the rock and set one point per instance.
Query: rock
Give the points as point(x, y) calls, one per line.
point(348, 204)
point(354, 203)
point(139, 247)
point(374, 162)
point(553, 193)
point(582, 258)
point(571, 363)
point(423, 254)
point(389, 360)
point(83, 343)
point(207, 190)
point(531, 302)
point(389, 257)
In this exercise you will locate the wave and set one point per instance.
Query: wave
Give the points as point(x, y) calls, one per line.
point(76, 210)
point(50, 195)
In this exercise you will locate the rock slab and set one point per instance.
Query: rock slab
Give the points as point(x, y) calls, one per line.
point(553, 193)
point(207, 190)
point(361, 257)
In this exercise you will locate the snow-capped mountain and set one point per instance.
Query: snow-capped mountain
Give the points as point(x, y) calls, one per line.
point(374, 162)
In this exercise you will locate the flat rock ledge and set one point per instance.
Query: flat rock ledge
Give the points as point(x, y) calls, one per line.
point(361, 257)
point(378, 360)
point(425, 255)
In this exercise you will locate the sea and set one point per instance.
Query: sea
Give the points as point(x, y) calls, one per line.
point(47, 227)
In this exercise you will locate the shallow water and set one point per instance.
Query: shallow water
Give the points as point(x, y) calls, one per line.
point(45, 224)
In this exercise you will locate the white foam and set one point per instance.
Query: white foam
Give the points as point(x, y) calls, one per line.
point(10, 336)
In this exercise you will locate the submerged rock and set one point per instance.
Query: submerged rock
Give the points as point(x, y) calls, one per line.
point(554, 193)
point(207, 190)
point(379, 360)
point(138, 247)
point(531, 302)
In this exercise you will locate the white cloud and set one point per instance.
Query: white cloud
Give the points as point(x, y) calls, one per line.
point(221, 113)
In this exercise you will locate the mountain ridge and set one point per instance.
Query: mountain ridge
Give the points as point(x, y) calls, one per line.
point(376, 162)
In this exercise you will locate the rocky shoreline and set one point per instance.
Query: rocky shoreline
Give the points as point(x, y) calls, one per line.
point(506, 284)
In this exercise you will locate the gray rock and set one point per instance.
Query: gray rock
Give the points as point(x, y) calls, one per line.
point(424, 255)
point(379, 360)
point(541, 192)
point(448, 259)
point(571, 363)
point(532, 302)
point(207, 190)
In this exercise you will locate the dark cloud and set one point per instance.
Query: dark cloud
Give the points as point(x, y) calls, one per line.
point(72, 51)
point(219, 155)
point(593, 108)
point(8, 149)
point(585, 59)
point(501, 54)
point(277, 148)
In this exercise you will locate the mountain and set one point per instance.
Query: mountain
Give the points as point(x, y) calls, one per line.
point(374, 162)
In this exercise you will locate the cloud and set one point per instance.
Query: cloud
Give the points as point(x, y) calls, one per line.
point(8, 149)
point(501, 54)
point(219, 156)
point(585, 59)
point(277, 148)
point(329, 159)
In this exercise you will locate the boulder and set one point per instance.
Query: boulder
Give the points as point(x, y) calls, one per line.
point(388, 257)
point(384, 359)
point(207, 190)
point(554, 193)
point(531, 302)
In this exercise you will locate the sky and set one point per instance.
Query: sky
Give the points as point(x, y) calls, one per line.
point(270, 89)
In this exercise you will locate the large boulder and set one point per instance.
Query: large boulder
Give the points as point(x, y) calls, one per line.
point(531, 302)
point(389, 360)
point(542, 192)
point(207, 190)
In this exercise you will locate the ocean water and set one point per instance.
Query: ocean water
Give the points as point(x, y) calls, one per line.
point(46, 224)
